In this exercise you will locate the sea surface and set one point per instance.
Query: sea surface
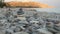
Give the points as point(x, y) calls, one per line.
point(51, 10)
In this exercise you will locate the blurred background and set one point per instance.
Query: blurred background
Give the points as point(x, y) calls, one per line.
point(55, 3)
point(50, 2)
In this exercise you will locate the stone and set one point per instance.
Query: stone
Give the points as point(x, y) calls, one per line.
point(44, 31)
point(20, 33)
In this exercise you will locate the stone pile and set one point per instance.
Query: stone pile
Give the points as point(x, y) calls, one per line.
point(21, 24)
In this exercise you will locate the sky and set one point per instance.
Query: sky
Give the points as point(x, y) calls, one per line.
point(55, 3)
point(50, 2)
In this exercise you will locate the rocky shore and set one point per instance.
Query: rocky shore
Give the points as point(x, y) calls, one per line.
point(28, 21)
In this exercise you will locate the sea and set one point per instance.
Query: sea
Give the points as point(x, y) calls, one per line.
point(49, 10)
